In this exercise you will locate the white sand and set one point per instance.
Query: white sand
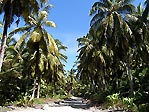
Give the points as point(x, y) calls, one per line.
point(56, 109)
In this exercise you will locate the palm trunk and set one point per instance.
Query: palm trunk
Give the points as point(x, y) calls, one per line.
point(130, 81)
point(37, 70)
point(129, 74)
point(38, 90)
point(103, 78)
point(38, 87)
point(3, 44)
point(34, 90)
point(4, 38)
point(36, 75)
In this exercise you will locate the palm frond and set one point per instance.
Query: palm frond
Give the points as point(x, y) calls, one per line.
point(97, 18)
point(130, 17)
point(47, 7)
point(20, 30)
point(63, 57)
point(94, 8)
point(139, 9)
point(52, 45)
point(36, 35)
point(60, 45)
point(32, 20)
point(21, 39)
point(127, 29)
point(146, 11)
point(50, 23)
point(1, 24)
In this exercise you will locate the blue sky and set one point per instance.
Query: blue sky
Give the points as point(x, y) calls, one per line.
point(72, 19)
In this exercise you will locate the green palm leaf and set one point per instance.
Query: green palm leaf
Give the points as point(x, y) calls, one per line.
point(21, 39)
point(50, 23)
point(20, 30)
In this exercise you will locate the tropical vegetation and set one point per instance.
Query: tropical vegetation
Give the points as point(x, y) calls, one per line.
point(112, 66)
point(113, 55)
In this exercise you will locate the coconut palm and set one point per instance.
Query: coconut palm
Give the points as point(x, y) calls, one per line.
point(111, 40)
point(12, 9)
point(88, 64)
point(108, 8)
point(44, 61)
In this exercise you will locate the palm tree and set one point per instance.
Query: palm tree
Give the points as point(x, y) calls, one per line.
point(91, 61)
point(44, 52)
point(111, 38)
point(18, 8)
point(108, 8)
point(139, 26)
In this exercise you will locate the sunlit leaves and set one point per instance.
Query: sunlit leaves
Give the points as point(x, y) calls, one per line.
point(21, 39)
point(36, 35)
point(50, 23)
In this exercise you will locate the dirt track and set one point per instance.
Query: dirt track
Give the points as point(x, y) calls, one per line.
point(74, 104)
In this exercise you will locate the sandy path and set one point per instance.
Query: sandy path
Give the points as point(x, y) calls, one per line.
point(56, 109)
point(74, 104)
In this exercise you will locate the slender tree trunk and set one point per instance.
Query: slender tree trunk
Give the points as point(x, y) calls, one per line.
point(129, 74)
point(130, 81)
point(39, 85)
point(36, 75)
point(3, 44)
point(103, 78)
point(38, 90)
point(34, 89)
point(4, 38)
point(37, 71)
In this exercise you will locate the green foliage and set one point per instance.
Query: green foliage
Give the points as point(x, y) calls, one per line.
point(82, 90)
point(34, 59)
point(49, 90)
point(9, 88)
point(125, 103)
point(113, 56)
point(113, 99)
point(23, 100)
